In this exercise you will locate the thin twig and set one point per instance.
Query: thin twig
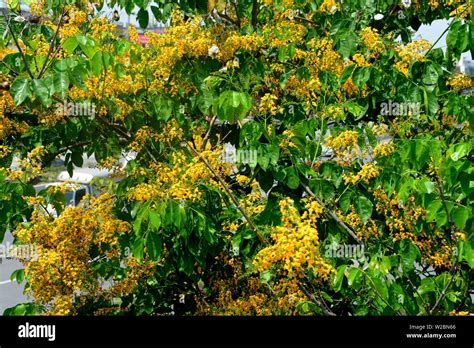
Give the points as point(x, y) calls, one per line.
point(229, 193)
point(332, 214)
point(444, 292)
point(7, 20)
point(51, 45)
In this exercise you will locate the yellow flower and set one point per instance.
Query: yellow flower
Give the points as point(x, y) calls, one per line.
point(459, 82)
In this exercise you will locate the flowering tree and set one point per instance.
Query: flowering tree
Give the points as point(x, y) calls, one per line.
point(349, 184)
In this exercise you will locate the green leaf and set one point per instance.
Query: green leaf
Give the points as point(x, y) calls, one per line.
point(408, 254)
point(143, 17)
point(155, 220)
point(427, 285)
point(432, 210)
point(471, 37)
point(426, 186)
point(77, 158)
point(345, 201)
point(232, 106)
point(42, 92)
point(347, 45)
point(353, 276)
point(347, 73)
point(61, 83)
point(18, 276)
point(430, 74)
point(457, 38)
point(87, 45)
point(266, 276)
point(138, 248)
point(460, 216)
point(154, 245)
point(363, 208)
point(360, 77)
point(157, 13)
point(458, 151)
point(337, 282)
point(96, 63)
point(355, 109)
point(70, 44)
point(292, 178)
point(19, 90)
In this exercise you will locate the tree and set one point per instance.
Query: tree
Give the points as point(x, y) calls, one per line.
point(350, 144)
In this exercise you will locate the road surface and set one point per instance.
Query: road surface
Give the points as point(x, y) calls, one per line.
point(11, 293)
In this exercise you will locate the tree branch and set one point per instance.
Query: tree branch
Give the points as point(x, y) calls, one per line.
point(332, 214)
point(229, 193)
point(7, 21)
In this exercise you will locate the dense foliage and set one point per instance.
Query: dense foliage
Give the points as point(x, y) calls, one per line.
point(347, 132)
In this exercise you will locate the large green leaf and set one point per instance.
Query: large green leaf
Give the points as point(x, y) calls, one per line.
point(363, 208)
point(20, 90)
point(42, 92)
point(61, 83)
point(154, 245)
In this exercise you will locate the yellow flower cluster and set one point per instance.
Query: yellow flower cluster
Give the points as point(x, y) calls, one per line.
point(460, 313)
point(101, 27)
point(401, 219)
point(398, 217)
point(36, 7)
point(373, 41)
point(6, 103)
point(462, 11)
point(268, 105)
point(330, 6)
point(333, 112)
point(282, 33)
point(142, 135)
point(180, 178)
point(344, 147)
point(383, 149)
point(6, 51)
point(413, 51)
point(107, 86)
point(62, 270)
point(363, 231)
point(136, 272)
point(323, 57)
point(4, 151)
point(40, 45)
point(242, 179)
point(367, 172)
point(235, 293)
point(112, 165)
point(235, 42)
point(285, 142)
point(252, 203)
point(459, 82)
point(29, 166)
point(133, 34)
point(172, 132)
point(435, 249)
point(360, 60)
point(296, 243)
point(77, 17)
